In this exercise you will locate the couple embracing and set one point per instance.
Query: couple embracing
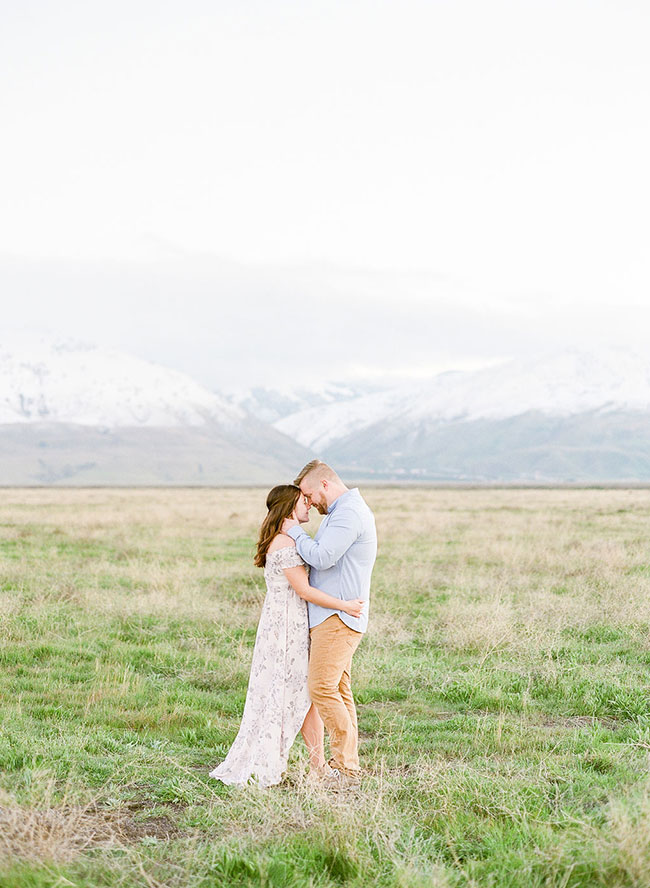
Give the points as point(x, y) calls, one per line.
point(314, 616)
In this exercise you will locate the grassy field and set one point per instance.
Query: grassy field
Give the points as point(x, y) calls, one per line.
point(503, 695)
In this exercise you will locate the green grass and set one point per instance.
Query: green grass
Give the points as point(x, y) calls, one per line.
point(503, 695)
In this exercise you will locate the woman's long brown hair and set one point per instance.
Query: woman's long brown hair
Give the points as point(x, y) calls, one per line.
point(280, 502)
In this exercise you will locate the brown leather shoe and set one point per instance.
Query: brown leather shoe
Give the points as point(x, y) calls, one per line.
point(352, 777)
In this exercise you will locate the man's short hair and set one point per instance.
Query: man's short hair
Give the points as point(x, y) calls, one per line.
point(317, 470)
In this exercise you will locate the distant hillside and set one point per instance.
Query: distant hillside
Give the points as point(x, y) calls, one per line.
point(57, 453)
point(563, 417)
point(594, 446)
point(73, 414)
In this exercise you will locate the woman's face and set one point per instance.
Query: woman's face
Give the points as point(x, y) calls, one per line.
point(302, 509)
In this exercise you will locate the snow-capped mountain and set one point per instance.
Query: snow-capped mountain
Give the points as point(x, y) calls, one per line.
point(272, 404)
point(76, 414)
point(74, 383)
point(568, 416)
point(556, 385)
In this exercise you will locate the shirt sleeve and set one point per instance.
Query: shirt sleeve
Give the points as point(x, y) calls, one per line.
point(342, 530)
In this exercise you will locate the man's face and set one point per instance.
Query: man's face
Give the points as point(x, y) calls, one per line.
point(315, 494)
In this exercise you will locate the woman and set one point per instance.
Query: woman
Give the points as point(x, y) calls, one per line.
point(277, 701)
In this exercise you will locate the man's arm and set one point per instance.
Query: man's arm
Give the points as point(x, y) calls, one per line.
point(341, 531)
point(297, 576)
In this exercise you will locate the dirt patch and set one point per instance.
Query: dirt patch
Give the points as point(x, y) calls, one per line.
point(578, 721)
point(61, 834)
point(160, 827)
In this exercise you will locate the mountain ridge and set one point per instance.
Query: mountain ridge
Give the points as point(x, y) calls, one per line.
point(75, 383)
point(569, 416)
point(75, 414)
point(563, 383)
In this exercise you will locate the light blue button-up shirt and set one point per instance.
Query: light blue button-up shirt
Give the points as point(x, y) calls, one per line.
point(341, 556)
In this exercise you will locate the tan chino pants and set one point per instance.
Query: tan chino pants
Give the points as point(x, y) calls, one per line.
point(330, 661)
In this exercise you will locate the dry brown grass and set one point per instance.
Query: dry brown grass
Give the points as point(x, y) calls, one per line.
point(59, 831)
point(629, 838)
point(549, 560)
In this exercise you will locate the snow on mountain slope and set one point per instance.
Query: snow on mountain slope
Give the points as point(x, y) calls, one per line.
point(319, 426)
point(559, 384)
point(60, 382)
point(272, 404)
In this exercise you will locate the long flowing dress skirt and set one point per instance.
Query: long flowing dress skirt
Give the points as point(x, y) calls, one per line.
point(277, 699)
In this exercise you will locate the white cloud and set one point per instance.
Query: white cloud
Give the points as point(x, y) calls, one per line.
point(426, 183)
point(228, 324)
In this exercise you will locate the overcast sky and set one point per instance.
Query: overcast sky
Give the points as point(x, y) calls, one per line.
point(263, 191)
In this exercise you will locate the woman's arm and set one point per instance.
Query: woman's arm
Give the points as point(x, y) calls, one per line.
point(298, 578)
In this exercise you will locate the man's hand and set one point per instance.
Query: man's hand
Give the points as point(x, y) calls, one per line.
point(288, 523)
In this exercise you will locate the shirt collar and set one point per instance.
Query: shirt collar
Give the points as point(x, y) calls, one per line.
point(346, 495)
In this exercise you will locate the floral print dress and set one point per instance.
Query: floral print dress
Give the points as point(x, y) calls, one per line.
point(277, 699)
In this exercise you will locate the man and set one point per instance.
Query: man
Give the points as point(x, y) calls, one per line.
point(341, 556)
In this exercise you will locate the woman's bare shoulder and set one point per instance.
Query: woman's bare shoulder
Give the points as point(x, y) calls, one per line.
point(281, 541)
